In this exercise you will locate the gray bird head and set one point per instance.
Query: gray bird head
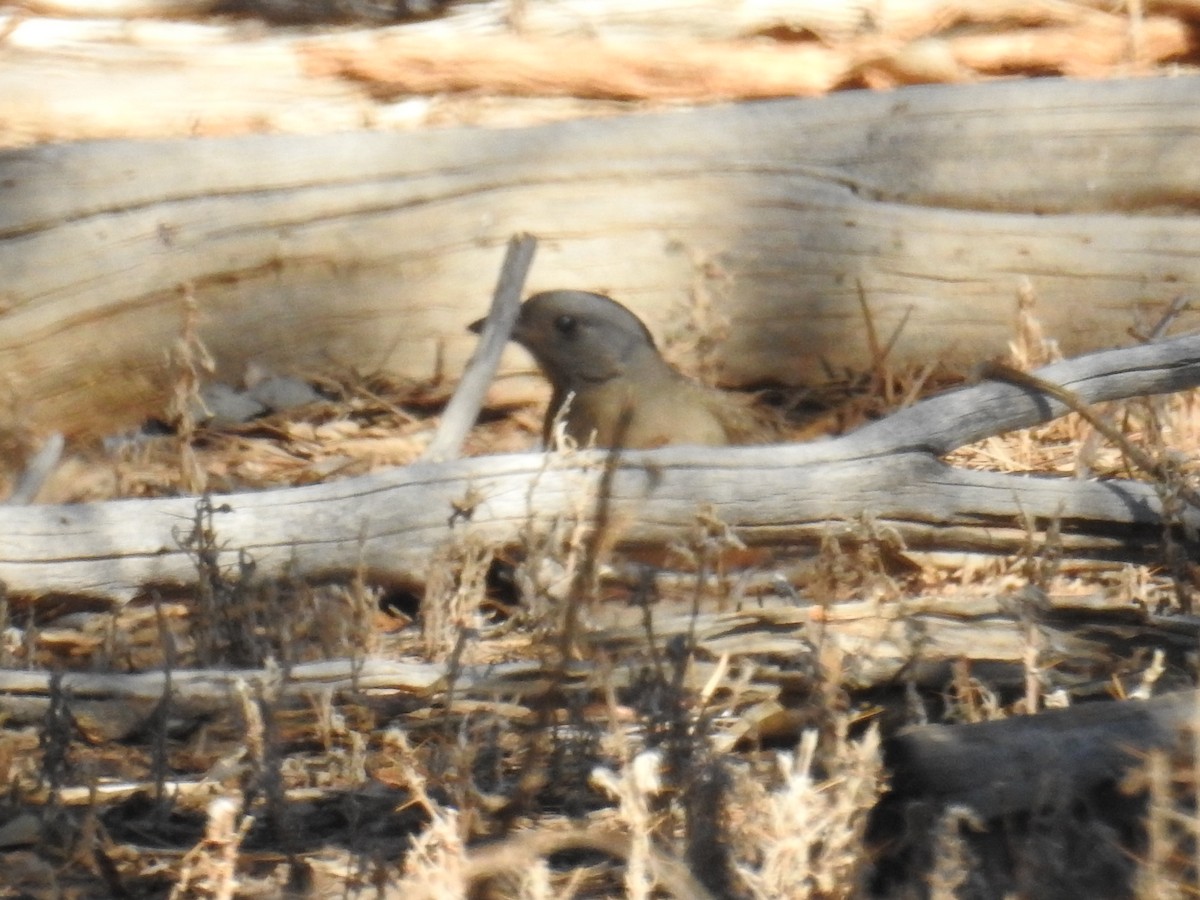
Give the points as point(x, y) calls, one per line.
point(579, 337)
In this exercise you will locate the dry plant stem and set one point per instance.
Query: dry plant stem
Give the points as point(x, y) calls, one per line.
point(193, 363)
point(878, 352)
point(1177, 307)
point(162, 712)
point(952, 859)
point(55, 741)
point(210, 868)
point(584, 583)
point(1153, 879)
point(463, 408)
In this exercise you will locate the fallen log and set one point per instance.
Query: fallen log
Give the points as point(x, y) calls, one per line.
point(373, 251)
point(1047, 759)
point(389, 524)
point(784, 647)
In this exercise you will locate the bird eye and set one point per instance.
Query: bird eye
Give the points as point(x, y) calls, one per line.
point(566, 325)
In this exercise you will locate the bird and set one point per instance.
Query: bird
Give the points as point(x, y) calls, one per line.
point(618, 391)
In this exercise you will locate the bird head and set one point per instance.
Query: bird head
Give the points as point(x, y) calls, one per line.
point(580, 338)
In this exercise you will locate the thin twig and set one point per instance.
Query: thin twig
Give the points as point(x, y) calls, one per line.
point(1178, 305)
point(464, 406)
point(1139, 457)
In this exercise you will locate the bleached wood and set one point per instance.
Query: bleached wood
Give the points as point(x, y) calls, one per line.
point(375, 250)
point(390, 523)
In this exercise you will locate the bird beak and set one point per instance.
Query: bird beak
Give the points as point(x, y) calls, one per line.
point(477, 328)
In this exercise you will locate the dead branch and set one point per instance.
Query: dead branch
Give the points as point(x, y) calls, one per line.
point(1045, 760)
point(389, 522)
point(463, 408)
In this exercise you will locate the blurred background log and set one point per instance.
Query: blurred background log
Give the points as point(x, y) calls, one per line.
point(767, 224)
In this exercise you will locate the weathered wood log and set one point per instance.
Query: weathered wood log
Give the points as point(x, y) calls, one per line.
point(1027, 762)
point(403, 63)
point(389, 523)
point(625, 20)
point(915, 640)
point(373, 251)
point(671, 50)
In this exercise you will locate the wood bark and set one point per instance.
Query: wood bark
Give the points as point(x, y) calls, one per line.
point(373, 251)
point(389, 524)
point(1045, 760)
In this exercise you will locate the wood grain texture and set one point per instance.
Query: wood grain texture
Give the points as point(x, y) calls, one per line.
point(374, 250)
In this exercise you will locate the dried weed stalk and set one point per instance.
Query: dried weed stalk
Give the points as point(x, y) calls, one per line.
point(209, 869)
point(805, 838)
point(160, 719)
point(241, 619)
point(858, 560)
point(222, 601)
point(634, 789)
point(953, 860)
point(885, 381)
point(192, 362)
point(7, 656)
point(436, 864)
point(454, 593)
point(55, 740)
point(261, 756)
point(705, 552)
point(1169, 865)
point(1156, 877)
point(969, 699)
point(562, 557)
point(1030, 348)
point(1176, 492)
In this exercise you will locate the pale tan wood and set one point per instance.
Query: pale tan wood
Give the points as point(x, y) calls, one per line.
point(162, 79)
point(703, 20)
point(374, 251)
point(182, 78)
point(390, 524)
point(399, 63)
point(178, 78)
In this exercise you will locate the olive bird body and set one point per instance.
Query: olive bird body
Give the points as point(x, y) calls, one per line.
point(613, 388)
